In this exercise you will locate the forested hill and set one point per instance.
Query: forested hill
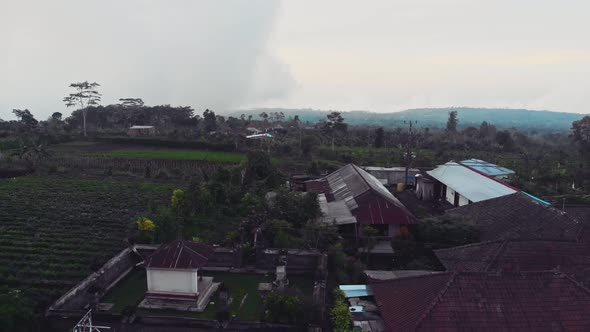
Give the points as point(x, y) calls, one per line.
point(437, 117)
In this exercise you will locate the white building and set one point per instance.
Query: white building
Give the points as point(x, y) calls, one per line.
point(173, 270)
point(462, 184)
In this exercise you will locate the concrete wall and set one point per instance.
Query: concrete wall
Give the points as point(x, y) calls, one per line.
point(115, 268)
point(172, 281)
point(463, 200)
point(298, 261)
point(225, 258)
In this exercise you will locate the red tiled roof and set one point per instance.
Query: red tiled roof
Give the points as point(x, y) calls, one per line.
point(467, 301)
point(572, 258)
point(180, 254)
point(517, 216)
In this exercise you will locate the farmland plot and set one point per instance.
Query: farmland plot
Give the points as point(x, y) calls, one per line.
point(52, 230)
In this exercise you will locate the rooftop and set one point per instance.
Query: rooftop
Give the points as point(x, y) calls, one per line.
point(364, 195)
point(518, 216)
point(471, 184)
point(487, 167)
point(180, 254)
point(572, 258)
point(450, 301)
point(335, 212)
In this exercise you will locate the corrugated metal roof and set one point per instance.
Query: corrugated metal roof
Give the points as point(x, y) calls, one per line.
point(487, 167)
point(365, 196)
point(335, 212)
point(390, 169)
point(355, 290)
point(470, 184)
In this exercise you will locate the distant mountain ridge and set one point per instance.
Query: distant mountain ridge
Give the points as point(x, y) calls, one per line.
point(437, 117)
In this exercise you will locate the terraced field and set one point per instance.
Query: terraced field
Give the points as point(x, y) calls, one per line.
point(52, 229)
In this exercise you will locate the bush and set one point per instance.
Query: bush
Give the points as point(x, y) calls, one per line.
point(446, 231)
point(282, 308)
point(340, 316)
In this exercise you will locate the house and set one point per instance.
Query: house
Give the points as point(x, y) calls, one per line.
point(365, 198)
point(480, 301)
point(137, 131)
point(572, 258)
point(462, 184)
point(488, 169)
point(173, 270)
point(391, 176)
point(297, 181)
point(253, 130)
point(519, 216)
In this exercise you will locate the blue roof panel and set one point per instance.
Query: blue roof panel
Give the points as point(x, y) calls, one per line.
point(486, 167)
point(355, 290)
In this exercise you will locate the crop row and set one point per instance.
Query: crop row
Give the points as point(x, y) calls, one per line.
point(53, 229)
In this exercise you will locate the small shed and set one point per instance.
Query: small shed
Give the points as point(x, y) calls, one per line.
point(172, 270)
point(137, 131)
point(390, 176)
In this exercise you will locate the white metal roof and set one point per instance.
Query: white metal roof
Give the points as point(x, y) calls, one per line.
point(141, 127)
point(470, 184)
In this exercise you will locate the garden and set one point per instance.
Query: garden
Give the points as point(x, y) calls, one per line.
point(54, 231)
point(247, 301)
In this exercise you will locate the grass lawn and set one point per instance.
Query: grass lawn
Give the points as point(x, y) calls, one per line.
point(242, 287)
point(176, 154)
point(128, 292)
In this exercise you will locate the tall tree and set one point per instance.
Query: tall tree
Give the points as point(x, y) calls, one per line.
point(56, 116)
point(452, 122)
point(85, 95)
point(26, 118)
point(297, 123)
point(209, 121)
point(581, 131)
point(335, 123)
point(379, 136)
point(131, 102)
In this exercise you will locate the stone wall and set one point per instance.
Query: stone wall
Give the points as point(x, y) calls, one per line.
point(298, 261)
point(78, 297)
point(225, 258)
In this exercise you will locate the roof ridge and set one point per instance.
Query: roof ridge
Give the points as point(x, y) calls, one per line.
point(436, 299)
point(189, 248)
point(384, 281)
point(356, 169)
point(496, 254)
point(576, 282)
point(468, 245)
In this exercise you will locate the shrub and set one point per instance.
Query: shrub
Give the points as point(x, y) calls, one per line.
point(340, 315)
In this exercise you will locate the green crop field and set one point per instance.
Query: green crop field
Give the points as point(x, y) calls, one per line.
point(52, 230)
point(211, 156)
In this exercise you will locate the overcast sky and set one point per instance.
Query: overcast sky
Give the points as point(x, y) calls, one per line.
point(379, 55)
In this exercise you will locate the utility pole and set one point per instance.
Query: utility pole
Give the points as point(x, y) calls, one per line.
point(409, 150)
